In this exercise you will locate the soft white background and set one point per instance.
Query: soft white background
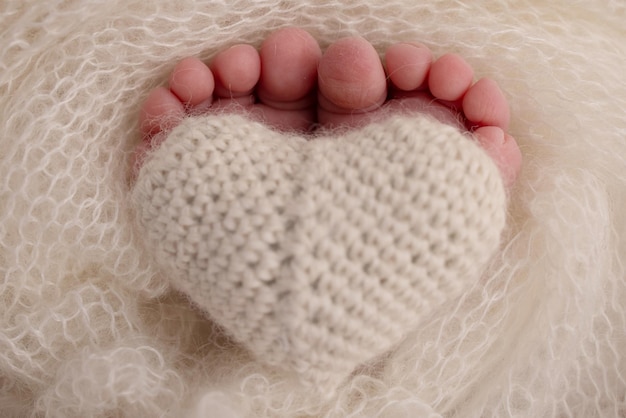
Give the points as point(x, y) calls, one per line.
point(89, 328)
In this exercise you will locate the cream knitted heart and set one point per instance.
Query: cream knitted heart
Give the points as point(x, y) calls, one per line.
point(319, 255)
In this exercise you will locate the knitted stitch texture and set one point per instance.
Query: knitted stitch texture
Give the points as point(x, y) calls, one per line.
point(90, 327)
point(319, 255)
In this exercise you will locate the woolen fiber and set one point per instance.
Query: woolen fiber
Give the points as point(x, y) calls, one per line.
point(91, 326)
point(318, 255)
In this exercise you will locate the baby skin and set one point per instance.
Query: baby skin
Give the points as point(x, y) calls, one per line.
point(290, 85)
point(318, 256)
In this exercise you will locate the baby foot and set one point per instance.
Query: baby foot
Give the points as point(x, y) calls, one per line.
point(320, 255)
point(275, 86)
point(278, 87)
point(355, 88)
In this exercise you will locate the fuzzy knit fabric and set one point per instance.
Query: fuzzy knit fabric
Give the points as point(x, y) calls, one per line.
point(90, 326)
point(320, 255)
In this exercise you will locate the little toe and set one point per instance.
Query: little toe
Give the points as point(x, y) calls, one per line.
point(484, 104)
point(503, 150)
point(161, 111)
point(408, 65)
point(192, 82)
point(351, 81)
point(289, 59)
point(237, 71)
point(450, 77)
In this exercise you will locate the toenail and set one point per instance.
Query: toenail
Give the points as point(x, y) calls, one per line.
point(415, 45)
point(491, 136)
point(500, 137)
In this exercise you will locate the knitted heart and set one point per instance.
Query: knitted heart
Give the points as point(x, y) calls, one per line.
point(319, 255)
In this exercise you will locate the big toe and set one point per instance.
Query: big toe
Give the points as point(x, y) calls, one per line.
point(289, 59)
point(351, 80)
point(286, 89)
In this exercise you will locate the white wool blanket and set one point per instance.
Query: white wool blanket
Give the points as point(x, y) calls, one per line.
point(91, 328)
